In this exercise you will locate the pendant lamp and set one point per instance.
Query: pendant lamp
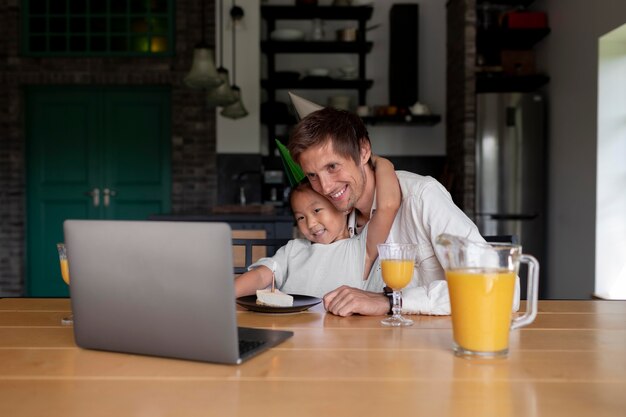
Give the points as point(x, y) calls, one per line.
point(203, 73)
point(222, 95)
point(235, 110)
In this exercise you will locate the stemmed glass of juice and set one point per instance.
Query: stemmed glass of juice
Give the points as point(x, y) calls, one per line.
point(65, 274)
point(397, 261)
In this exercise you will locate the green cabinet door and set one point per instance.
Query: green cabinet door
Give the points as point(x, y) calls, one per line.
point(136, 168)
point(92, 153)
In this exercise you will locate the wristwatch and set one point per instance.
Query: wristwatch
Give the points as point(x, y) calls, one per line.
point(389, 293)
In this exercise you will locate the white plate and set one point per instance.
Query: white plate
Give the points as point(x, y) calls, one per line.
point(300, 303)
point(287, 35)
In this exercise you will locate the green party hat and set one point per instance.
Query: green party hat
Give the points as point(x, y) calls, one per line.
point(292, 169)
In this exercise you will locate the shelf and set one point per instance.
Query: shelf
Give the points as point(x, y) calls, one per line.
point(522, 3)
point(274, 114)
point(407, 120)
point(303, 47)
point(498, 82)
point(317, 12)
point(308, 83)
point(499, 38)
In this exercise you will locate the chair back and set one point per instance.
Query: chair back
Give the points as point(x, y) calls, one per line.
point(270, 247)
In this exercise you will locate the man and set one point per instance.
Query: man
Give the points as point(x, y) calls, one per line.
point(334, 150)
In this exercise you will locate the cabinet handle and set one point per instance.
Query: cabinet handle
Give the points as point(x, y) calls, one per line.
point(95, 196)
point(107, 196)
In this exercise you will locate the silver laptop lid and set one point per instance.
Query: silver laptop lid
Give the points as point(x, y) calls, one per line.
point(151, 287)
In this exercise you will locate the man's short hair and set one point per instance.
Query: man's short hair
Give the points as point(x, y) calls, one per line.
point(344, 129)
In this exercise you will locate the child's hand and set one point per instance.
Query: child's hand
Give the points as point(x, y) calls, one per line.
point(379, 160)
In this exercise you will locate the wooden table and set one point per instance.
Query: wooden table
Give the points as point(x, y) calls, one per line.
point(570, 362)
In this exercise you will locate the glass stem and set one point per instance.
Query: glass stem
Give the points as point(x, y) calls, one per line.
point(397, 303)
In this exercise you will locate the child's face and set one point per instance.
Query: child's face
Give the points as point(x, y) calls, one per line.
point(317, 219)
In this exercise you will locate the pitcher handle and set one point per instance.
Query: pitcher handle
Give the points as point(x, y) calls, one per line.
point(532, 293)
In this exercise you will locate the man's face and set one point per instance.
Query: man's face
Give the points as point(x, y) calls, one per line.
point(336, 177)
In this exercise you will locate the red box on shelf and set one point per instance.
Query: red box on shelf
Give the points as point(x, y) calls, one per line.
point(525, 20)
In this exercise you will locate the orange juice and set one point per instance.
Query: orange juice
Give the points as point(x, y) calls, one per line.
point(397, 273)
point(65, 271)
point(481, 301)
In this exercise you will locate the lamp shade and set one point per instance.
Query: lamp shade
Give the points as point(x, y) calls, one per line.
point(235, 110)
point(203, 73)
point(223, 94)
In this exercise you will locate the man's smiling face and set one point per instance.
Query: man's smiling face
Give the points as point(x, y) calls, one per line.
point(336, 177)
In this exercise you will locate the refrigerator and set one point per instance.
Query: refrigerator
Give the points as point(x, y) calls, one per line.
point(511, 170)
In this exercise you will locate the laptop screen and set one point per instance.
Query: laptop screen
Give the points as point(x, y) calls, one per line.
point(151, 287)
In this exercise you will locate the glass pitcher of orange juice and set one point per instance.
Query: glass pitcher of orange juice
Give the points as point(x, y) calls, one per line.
point(481, 282)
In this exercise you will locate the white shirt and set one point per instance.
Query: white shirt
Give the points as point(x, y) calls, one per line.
point(426, 211)
point(315, 269)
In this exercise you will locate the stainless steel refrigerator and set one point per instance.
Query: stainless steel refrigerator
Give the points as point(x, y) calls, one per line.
point(511, 170)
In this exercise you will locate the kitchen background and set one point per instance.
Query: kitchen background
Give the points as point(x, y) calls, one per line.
point(585, 225)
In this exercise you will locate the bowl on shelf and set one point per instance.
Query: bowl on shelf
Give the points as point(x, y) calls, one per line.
point(318, 72)
point(348, 73)
point(287, 35)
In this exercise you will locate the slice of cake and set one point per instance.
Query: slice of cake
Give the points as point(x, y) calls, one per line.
point(274, 299)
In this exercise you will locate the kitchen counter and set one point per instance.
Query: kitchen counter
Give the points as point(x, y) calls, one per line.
point(277, 223)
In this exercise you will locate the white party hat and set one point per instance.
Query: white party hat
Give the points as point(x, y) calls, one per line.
point(303, 106)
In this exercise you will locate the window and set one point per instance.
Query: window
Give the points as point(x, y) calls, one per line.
point(97, 27)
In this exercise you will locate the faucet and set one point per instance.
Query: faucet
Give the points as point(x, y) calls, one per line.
point(242, 196)
point(241, 178)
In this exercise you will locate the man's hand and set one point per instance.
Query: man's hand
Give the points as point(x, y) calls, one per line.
point(346, 301)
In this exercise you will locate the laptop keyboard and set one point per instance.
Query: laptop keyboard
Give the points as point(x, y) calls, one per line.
point(248, 345)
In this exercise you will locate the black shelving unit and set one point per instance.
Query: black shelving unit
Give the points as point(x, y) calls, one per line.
point(359, 47)
point(491, 41)
point(317, 83)
point(520, 3)
point(407, 120)
point(510, 38)
point(360, 13)
point(315, 47)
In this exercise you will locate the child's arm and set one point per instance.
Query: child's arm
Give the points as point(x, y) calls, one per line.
point(255, 279)
point(388, 198)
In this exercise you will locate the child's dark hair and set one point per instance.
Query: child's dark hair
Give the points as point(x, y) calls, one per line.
point(301, 186)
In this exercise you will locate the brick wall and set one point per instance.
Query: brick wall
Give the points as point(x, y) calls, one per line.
point(461, 102)
point(194, 179)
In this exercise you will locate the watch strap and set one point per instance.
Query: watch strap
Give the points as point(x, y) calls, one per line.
point(389, 293)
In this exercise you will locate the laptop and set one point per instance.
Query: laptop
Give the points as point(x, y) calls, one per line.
point(159, 288)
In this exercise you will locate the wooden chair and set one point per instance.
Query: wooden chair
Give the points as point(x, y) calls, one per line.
point(255, 249)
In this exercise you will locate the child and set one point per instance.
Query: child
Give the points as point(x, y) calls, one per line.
point(328, 257)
